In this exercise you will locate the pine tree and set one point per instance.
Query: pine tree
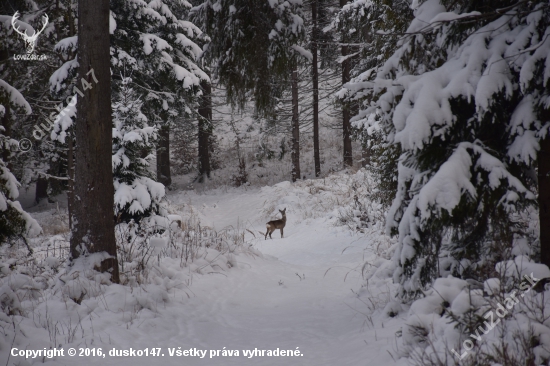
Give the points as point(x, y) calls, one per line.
point(136, 194)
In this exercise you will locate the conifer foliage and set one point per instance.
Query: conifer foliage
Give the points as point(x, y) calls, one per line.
point(14, 222)
point(251, 46)
point(464, 96)
point(136, 193)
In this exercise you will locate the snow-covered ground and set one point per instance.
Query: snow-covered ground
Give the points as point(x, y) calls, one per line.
point(305, 291)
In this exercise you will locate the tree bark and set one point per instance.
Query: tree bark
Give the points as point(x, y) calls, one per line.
point(315, 80)
point(163, 156)
point(543, 159)
point(346, 115)
point(365, 156)
point(41, 189)
point(70, 174)
point(92, 229)
point(295, 127)
point(6, 123)
point(205, 130)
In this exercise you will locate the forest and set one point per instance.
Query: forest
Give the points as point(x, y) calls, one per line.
point(275, 182)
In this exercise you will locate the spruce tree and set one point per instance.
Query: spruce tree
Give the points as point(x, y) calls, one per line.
point(14, 222)
point(136, 193)
point(463, 96)
point(157, 43)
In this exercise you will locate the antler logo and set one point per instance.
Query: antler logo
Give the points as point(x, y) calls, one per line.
point(30, 41)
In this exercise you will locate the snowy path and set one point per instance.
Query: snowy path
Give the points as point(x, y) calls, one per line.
point(263, 303)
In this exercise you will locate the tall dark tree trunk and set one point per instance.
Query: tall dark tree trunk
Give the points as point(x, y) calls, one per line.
point(315, 79)
point(295, 127)
point(6, 123)
point(163, 156)
point(92, 227)
point(205, 130)
point(41, 189)
point(346, 115)
point(70, 174)
point(543, 159)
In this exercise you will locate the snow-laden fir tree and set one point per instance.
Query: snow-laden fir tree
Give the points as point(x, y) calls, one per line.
point(137, 194)
point(465, 97)
point(157, 42)
point(30, 78)
point(14, 221)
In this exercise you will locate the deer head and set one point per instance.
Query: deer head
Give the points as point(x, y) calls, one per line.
point(30, 41)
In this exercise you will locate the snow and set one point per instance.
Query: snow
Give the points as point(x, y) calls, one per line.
point(446, 187)
point(15, 97)
point(64, 120)
point(60, 75)
point(521, 266)
point(11, 187)
point(67, 44)
point(140, 194)
point(327, 289)
point(303, 52)
point(151, 41)
point(293, 293)
point(23, 26)
point(112, 23)
point(187, 43)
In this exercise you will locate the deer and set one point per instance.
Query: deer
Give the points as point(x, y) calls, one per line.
point(30, 41)
point(276, 224)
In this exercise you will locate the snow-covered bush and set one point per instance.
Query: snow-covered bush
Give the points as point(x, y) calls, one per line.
point(365, 211)
point(172, 238)
point(45, 301)
point(500, 321)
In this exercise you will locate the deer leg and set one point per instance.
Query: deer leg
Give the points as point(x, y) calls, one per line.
point(281, 233)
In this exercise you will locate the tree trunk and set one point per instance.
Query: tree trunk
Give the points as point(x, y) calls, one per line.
point(163, 156)
point(6, 123)
point(346, 115)
point(295, 127)
point(70, 174)
point(543, 159)
point(365, 155)
point(92, 228)
point(41, 189)
point(315, 79)
point(205, 130)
